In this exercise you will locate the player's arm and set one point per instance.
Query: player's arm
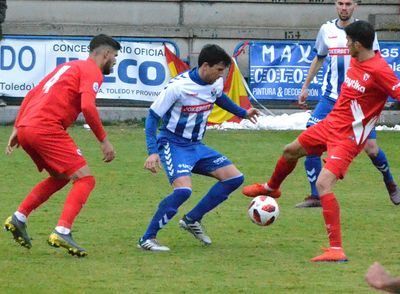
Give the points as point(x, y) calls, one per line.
point(315, 66)
point(226, 103)
point(387, 79)
point(13, 139)
point(322, 50)
point(92, 118)
point(160, 106)
point(152, 162)
point(378, 278)
point(25, 103)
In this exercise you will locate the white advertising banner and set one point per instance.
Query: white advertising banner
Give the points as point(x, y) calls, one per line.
point(140, 73)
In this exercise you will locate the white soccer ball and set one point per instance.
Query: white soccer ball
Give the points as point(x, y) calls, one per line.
point(263, 210)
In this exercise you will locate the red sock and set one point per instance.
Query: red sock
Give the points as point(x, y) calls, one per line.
point(76, 198)
point(331, 213)
point(282, 169)
point(40, 193)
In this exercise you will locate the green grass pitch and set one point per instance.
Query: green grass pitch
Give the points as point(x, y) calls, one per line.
point(243, 258)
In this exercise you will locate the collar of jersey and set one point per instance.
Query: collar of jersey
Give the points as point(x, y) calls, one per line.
point(342, 28)
point(195, 77)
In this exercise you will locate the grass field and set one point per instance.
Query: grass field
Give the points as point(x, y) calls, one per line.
point(243, 258)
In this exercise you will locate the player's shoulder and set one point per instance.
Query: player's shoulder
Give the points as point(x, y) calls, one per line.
point(329, 24)
point(180, 81)
point(219, 83)
point(379, 63)
point(75, 63)
point(88, 69)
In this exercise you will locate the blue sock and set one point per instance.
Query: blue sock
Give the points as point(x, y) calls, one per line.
point(313, 167)
point(167, 208)
point(215, 196)
point(382, 164)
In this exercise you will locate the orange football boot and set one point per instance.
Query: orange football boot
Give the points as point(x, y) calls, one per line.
point(259, 189)
point(331, 255)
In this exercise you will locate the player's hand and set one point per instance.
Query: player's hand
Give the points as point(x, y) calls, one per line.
point(13, 142)
point(303, 97)
point(153, 163)
point(252, 115)
point(108, 150)
point(377, 277)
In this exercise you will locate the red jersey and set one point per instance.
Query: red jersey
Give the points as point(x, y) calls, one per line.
point(363, 94)
point(61, 96)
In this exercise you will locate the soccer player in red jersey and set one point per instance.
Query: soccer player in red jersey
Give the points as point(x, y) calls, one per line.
point(343, 133)
point(40, 128)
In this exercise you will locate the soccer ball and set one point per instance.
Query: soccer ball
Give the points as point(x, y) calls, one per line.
point(263, 210)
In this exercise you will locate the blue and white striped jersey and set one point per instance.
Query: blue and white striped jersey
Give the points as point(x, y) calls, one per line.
point(185, 104)
point(331, 41)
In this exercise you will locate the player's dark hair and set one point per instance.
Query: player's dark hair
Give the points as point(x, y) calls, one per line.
point(362, 32)
point(103, 40)
point(213, 54)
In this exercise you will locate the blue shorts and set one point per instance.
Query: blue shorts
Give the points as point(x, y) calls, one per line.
point(183, 159)
point(323, 108)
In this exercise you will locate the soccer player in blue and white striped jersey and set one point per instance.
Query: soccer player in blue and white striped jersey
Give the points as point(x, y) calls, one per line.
point(183, 108)
point(331, 44)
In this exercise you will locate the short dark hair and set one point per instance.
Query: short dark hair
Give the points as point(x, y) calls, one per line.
point(103, 40)
point(213, 54)
point(362, 32)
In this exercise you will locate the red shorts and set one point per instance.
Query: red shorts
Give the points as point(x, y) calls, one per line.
point(54, 150)
point(340, 151)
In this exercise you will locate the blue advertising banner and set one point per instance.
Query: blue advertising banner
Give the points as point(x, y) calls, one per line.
point(140, 74)
point(278, 69)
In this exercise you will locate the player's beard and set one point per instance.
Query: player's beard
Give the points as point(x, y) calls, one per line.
point(345, 17)
point(107, 68)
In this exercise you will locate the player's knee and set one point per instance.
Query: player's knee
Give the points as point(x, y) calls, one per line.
point(290, 152)
point(372, 150)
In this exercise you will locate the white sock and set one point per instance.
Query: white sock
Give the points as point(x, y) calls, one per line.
point(63, 230)
point(268, 187)
point(20, 216)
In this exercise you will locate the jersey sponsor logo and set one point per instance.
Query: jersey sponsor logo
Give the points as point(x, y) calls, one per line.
point(220, 160)
point(332, 37)
point(197, 108)
point(186, 166)
point(335, 157)
point(339, 51)
point(355, 84)
point(396, 87)
point(96, 87)
point(366, 77)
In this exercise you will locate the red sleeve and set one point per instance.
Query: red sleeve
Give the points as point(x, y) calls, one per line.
point(387, 79)
point(89, 83)
point(89, 111)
